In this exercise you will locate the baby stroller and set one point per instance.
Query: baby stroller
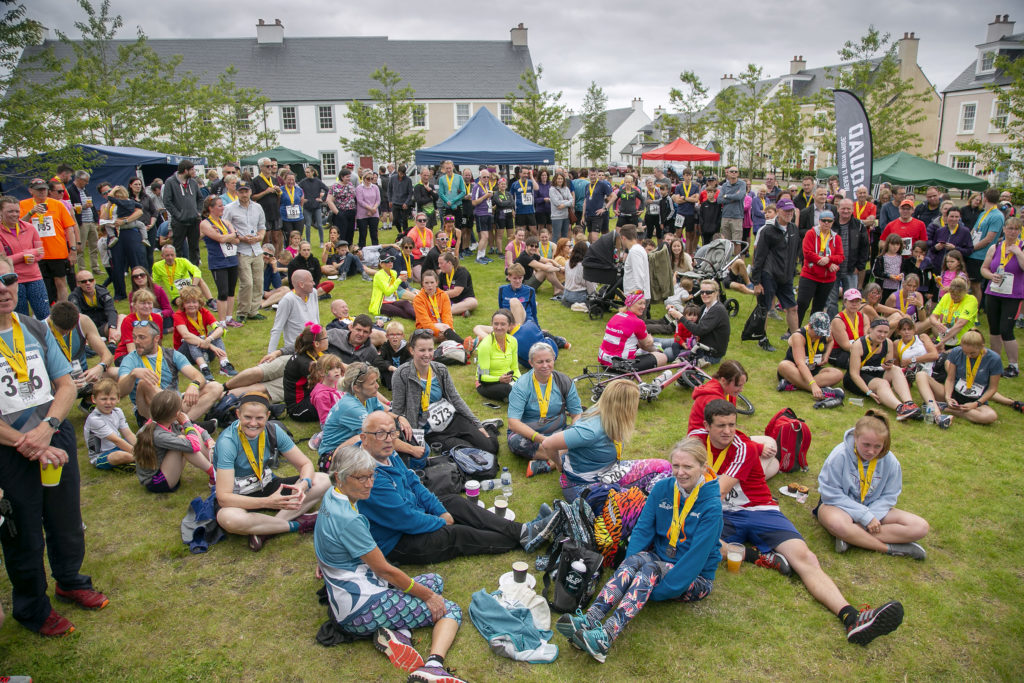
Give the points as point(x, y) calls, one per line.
point(712, 262)
point(609, 295)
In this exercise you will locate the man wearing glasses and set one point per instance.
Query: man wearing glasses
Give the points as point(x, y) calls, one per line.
point(59, 233)
point(731, 195)
point(712, 326)
point(150, 368)
point(95, 303)
point(411, 524)
point(36, 393)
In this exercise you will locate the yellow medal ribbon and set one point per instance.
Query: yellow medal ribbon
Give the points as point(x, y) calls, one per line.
point(290, 193)
point(450, 179)
point(903, 306)
point(823, 238)
point(714, 464)
point(764, 204)
point(256, 463)
point(16, 356)
point(158, 368)
point(592, 186)
point(618, 450)
point(812, 350)
point(972, 371)
point(232, 197)
point(679, 518)
point(544, 398)
point(91, 303)
point(866, 472)
point(267, 180)
point(65, 346)
point(903, 346)
point(546, 253)
point(217, 223)
point(425, 396)
point(450, 277)
point(952, 313)
point(516, 249)
point(1005, 256)
point(650, 194)
point(853, 328)
point(983, 217)
point(858, 209)
point(199, 324)
point(432, 300)
point(870, 351)
point(408, 265)
point(686, 189)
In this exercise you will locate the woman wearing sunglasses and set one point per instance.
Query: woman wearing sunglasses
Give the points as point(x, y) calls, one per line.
point(141, 279)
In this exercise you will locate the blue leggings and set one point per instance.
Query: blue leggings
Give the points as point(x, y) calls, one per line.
point(33, 293)
point(396, 610)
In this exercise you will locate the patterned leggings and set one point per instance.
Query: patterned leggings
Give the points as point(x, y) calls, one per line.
point(397, 610)
point(630, 588)
point(640, 473)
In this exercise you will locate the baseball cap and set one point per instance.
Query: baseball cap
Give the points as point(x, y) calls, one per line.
point(350, 164)
point(852, 295)
point(785, 205)
point(907, 202)
point(342, 243)
point(243, 185)
point(38, 184)
point(819, 324)
point(387, 258)
point(826, 214)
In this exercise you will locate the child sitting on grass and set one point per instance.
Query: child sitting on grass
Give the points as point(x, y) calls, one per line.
point(109, 438)
point(166, 441)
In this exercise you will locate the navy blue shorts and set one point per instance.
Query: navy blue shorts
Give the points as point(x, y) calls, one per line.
point(783, 291)
point(766, 529)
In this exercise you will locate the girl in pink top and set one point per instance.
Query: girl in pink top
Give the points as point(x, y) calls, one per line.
point(626, 335)
point(325, 394)
point(953, 267)
point(367, 209)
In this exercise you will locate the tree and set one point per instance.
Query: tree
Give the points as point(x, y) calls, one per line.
point(1008, 156)
point(383, 126)
point(688, 100)
point(594, 135)
point(891, 103)
point(752, 134)
point(538, 115)
point(786, 128)
point(722, 122)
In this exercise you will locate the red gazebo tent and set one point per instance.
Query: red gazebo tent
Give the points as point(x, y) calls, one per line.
point(681, 150)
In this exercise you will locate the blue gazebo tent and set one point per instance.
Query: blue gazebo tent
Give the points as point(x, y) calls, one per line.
point(486, 140)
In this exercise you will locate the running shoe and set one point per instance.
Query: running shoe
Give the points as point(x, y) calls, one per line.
point(537, 467)
point(228, 369)
point(367, 277)
point(1011, 371)
point(594, 641)
point(496, 422)
point(307, 522)
point(234, 323)
point(841, 545)
point(776, 561)
point(579, 307)
point(912, 550)
point(907, 410)
point(766, 345)
point(872, 623)
point(257, 316)
point(786, 336)
point(397, 647)
point(469, 343)
point(784, 385)
point(433, 674)
point(207, 373)
point(256, 542)
point(56, 626)
point(483, 260)
point(944, 421)
point(84, 597)
point(569, 624)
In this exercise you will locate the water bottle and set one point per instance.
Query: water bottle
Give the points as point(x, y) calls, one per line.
point(490, 484)
point(574, 577)
point(506, 482)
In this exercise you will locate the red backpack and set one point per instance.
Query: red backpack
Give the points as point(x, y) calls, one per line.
point(792, 436)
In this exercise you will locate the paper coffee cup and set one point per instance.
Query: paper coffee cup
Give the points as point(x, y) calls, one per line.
point(519, 570)
point(500, 505)
point(50, 474)
point(473, 488)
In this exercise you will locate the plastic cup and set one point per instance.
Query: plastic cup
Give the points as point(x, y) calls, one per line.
point(50, 474)
point(856, 400)
point(78, 208)
point(519, 570)
point(734, 553)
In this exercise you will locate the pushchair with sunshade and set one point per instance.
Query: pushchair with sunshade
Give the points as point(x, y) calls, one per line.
point(712, 262)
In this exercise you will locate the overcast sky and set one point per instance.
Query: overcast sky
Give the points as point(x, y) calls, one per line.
point(628, 52)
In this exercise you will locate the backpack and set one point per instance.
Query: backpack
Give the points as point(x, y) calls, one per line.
point(450, 353)
point(474, 463)
point(753, 329)
point(792, 436)
point(562, 600)
point(442, 476)
point(574, 522)
point(224, 411)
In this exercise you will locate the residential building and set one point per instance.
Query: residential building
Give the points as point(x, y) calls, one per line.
point(310, 81)
point(970, 110)
point(622, 126)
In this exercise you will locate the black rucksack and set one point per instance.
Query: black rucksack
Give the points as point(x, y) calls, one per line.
point(573, 540)
point(442, 476)
point(753, 329)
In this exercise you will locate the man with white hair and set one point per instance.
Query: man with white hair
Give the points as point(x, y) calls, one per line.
point(268, 195)
point(298, 307)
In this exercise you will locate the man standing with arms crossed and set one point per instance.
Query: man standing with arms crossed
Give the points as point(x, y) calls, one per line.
point(597, 197)
point(268, 196)
point(183, 201)
point(730, 196)
point(249, 222)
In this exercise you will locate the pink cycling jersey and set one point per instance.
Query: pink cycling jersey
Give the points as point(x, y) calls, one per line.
point(621, 337)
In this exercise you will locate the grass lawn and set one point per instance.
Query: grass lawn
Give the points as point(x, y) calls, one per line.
point(235, 615)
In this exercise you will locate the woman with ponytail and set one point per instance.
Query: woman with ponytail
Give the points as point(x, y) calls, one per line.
point(302, 373)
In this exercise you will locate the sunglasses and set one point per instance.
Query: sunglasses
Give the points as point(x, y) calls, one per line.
point(138, 275)
point(707, 292)
point(9, 279)
point(826, 220)
point(83, 282)
point(421, 220)
point(143, 323)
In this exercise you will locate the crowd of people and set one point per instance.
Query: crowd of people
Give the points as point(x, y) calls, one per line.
point(886, 302)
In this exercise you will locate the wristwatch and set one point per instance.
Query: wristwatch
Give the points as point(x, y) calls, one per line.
point(54, 422)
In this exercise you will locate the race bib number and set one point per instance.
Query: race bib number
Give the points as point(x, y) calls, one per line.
point(680, 220)
point(527, 199)
point(506, 211)
point(182, 283)
point(653, 210)
point(973, 392)
point(228, 249)
point(440, 415)
point(293, 212)
point(44, 226)
point(76, 368)
point(1004, 287)
point(16, 397)
point(907, 244)
point(490, 206)
point(975, 235)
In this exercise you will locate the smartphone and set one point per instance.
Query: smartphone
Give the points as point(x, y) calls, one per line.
point(283, 492)
point(491, 405)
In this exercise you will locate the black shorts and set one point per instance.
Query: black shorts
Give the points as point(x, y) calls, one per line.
point(273, 486)
point(597, 224)
point(226, 280)
point(974, 269)
point(849, 385)
point(503, 221)
point(484, 223)
point(53, 268)
point(526, 219)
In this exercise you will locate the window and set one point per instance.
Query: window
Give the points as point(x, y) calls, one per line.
point(962, 163)
point(461, 113)
point(419, 116)
point(328, 164)
point(968, 112)
point(289, 119)
point(242, 119)
point(818, 117)
point(1000, 117)
point(988, 61)
point(506, 113)
point(325, 117)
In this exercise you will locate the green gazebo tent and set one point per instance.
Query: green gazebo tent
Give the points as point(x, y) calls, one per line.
point(902, 168)
point(293, 159)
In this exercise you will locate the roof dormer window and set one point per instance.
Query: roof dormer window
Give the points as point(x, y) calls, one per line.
point(987, 63)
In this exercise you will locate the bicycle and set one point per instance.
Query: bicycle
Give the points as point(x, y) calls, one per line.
point(594, 380)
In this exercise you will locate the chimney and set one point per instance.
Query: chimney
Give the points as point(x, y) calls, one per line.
point(270, 34)
point(906, 51)
point(638, 104)
point(1001, 27)
point(797, 64)
point(659, 111)
point(518, 35)
point(727, 81)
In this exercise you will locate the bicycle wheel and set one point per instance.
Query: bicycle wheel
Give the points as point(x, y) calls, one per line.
point(693, 377)
point(592, 384)
point(732, 306)
point(743, 405)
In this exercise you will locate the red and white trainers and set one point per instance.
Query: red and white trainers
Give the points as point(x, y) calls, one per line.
point(56, 626)
point(397, 647)
point(84, 597)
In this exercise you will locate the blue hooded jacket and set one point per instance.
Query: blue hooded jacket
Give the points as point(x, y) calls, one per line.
point(399, 504)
